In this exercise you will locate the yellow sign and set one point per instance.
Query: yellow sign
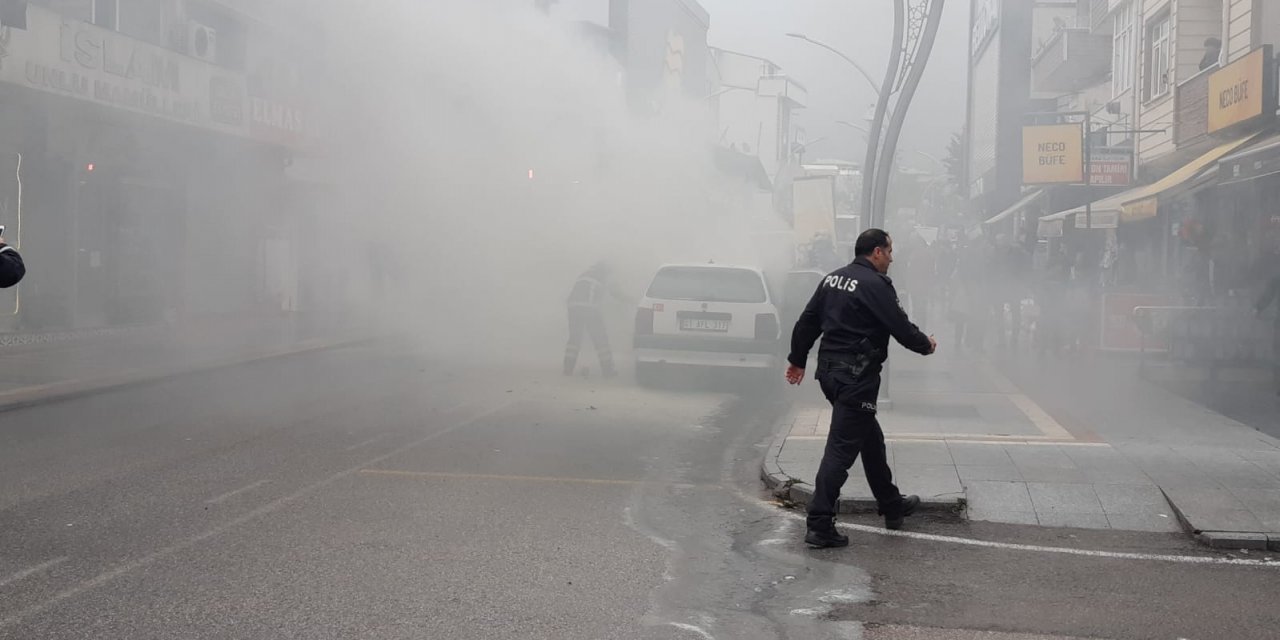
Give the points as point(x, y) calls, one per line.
point(1237, 92)
point(1053, 154)
point(1144, 209)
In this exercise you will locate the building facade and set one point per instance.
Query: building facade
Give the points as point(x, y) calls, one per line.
point(144, 148)
point(1174, 104)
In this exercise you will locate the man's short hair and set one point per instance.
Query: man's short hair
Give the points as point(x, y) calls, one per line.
point(869, 241)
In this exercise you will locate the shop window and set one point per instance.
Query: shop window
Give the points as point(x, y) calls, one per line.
point(106, 13)
point(143, 19)
point(1158, 58)
point(1122, 50)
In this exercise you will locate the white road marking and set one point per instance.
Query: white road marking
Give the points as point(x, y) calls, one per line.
point(231, 494)
point(8, 580)
point(361, 445)
point(972, 439)
point(693, 629)
point(265, 509)
point(1012, 546)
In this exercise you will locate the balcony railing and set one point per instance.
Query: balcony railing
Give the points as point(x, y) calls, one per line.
point(1191, 109)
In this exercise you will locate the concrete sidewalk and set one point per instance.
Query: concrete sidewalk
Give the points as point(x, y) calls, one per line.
point(1073, 444)
point(45, 367)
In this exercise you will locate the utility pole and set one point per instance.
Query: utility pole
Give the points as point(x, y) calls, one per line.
point(915, 27)
point(916, 39)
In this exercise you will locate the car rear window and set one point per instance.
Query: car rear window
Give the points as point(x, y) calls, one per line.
point(708, 285)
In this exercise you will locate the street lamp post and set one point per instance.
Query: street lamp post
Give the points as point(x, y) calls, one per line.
point(882, 95)
point(851, 61)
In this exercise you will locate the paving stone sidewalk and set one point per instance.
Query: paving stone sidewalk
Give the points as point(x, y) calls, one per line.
point(1136, 459)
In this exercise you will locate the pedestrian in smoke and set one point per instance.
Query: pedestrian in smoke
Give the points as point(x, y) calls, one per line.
point(586, 318)
point(855, 310)
point(12, 269)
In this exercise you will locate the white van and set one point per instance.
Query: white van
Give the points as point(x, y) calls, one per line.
point(706, 315)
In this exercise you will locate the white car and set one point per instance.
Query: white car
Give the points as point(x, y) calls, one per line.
point(706, 315)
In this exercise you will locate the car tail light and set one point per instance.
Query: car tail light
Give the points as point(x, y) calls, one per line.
point(644, 322)
point(766, 326)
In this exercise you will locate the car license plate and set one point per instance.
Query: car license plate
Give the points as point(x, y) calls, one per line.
point(699, 324)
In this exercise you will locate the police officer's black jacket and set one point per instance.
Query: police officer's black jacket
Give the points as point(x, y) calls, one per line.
point(11, 267)
point(855, 309)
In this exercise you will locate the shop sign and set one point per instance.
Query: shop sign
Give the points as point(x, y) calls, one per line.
point(85, 62)
point(1049, 228)
point(275, 92)
point(1144, 209)
point(1243, 91)
point(1098, 220)
point(1111, 168)
point(1052, 154)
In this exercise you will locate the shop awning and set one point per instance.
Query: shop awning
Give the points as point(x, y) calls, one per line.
point(1142, 203)
point(1027, 200)
point(1259, 159)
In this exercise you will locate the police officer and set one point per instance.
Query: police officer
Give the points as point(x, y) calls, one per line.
point(586, 317)
point(855, 310)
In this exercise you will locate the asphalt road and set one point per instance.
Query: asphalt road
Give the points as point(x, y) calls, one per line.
point(369, 493)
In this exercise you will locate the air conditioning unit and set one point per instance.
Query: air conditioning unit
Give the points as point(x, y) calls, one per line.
point(202, 42)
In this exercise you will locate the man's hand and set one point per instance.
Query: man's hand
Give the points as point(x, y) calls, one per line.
point(795, 375)
point(933, 345)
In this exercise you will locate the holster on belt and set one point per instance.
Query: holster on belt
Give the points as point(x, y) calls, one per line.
point(855, 363)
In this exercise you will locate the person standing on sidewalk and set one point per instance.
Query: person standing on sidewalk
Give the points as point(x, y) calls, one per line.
point(12, 269)
point(855, 310)
point(586, 317)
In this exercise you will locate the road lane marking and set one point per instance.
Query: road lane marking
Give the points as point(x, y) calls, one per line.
point(975, 439)
point(233, 493)
point(160, 554)
point(445, 475)
point(361, 445)
point(1014, 546)
point(8, 580)
point(691, 628)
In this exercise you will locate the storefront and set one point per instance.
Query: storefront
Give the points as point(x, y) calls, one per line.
point(1249, 204)
point(1131, 241)
point(138, 182)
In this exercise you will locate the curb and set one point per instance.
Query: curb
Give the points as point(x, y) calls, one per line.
point(68, 389)
point(794, 491)
point(1259, 541)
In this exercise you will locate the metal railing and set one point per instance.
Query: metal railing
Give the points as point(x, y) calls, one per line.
point(1205, 336)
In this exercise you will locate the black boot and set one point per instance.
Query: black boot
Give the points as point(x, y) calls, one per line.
point(822, 535)
point(895, 515)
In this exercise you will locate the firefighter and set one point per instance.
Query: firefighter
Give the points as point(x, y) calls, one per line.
point(586, 317)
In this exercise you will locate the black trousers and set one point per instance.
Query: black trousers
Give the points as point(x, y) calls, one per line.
point(854, 431)
point(583, 322)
